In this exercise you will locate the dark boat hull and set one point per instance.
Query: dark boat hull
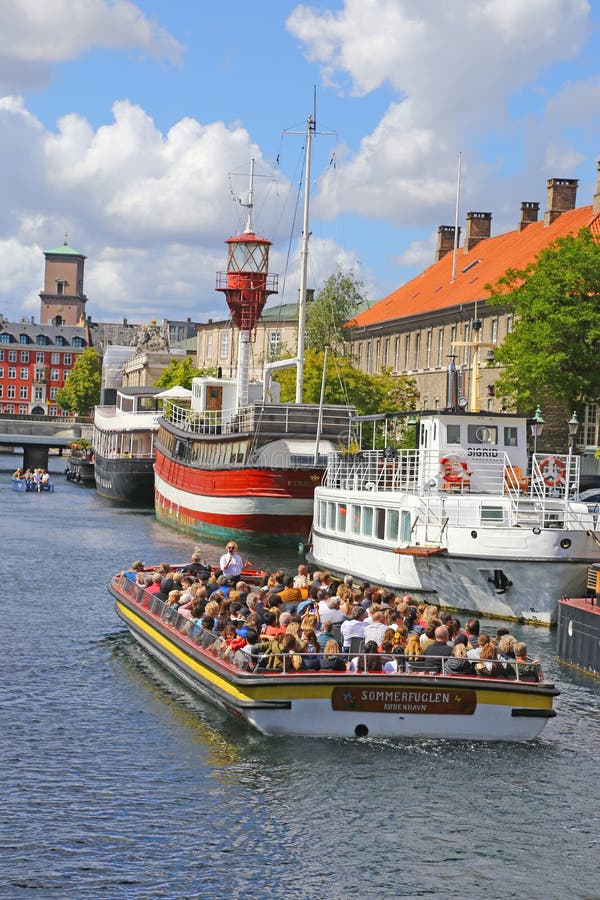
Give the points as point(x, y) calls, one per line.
point(126, 480)
point(579, 634)
point(80, 471)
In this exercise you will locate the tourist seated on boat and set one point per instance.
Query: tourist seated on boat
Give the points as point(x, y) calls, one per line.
point(311, 653)
point(243, 658)
point(45, 479)
point(455, 630)
point(154, 588)
point(488, 665)
point(413, 655)
point(18, 474)
point(399, 640)
point(506, 646)
point(475, 652)
point(289, 593)
point(522, 667)
point(354, 627)
point(410, 620)
point(309, 622)
point(173, 598)
point(331, 659)
point(375, 628)
point(458, 664)
point(272, 629)
point(472, 631)
point(231, 641)
point(326, 634)
point(206, 636)
point(437, 649)
point(135, 568)
point(197, 567)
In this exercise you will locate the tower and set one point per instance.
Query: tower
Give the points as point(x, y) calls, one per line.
point(246, 286)
point(62, 300)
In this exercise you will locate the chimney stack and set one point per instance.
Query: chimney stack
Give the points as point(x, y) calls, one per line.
point(529, 213)
point(479, 226)
point(445, 241)
point(561, 197)
point(596, 206)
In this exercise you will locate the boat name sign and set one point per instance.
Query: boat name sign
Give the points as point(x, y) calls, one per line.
point(455, 702)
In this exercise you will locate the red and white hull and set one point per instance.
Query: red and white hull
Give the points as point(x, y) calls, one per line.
point(218, 502)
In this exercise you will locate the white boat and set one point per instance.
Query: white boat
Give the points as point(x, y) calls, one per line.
point(123, 445)
point(458, 518)
point(347, 704)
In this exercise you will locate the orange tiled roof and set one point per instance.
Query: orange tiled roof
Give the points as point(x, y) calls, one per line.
point(485, 263)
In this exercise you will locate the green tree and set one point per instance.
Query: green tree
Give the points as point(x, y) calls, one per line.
point(554, 345)
point(345, 384)
point(81, 391)
point(179, 373)
point(334, 305)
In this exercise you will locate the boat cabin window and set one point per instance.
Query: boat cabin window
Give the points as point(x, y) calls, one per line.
point(367, 521)
point(482, 434)
point(380, 524)
point(405, 526)
point(341, 517)
point(356, 517)
point(453, 434)
point(492, 514)
point(391, 525)
point(331, 516)
point(510, 437)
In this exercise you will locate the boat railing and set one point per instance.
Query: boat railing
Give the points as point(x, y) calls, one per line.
point(359, 663)
point(267, 419)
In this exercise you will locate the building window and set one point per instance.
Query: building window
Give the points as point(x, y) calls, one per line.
point(397, 354)
point(407, 352)
point(24, 356)
point(2, 355)
point(9, 409)
point(23, 392)
point(60, 288)
point(68, 359)
point(590, 425)
point(417, 349)
point(377, 360)
point(5, 337)
point(428, 349)
point(53, 393)
point(224, 352)
point(274, 342)
point(23, 339)
point(1, 371)
point(386, 353)
point(78, 342)
point(55, 359)
point(38, 393)
point(12, 355)
point(209, 345)
point(40, 356)
point(24, 374)
point(440, 352)
point(11, 391)
point(12, 372)
point(60, 341)
point(1, 390)
point(467, 350)
point(494, 331)
point(368, 362)
point(52, 410)
point(54, 374)
point(22, 410)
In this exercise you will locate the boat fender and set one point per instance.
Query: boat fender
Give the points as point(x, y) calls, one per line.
point(454, 469)
point(556, 471)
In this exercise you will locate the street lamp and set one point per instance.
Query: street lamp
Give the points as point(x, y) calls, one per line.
point(573, 424)
point(537, 426)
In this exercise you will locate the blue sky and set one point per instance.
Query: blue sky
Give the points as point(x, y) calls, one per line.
point(123, 122)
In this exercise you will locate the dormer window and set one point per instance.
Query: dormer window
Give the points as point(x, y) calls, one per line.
point(5, 337)
point(78, 342)
point(60, 341)
point(41, 339)
point(23, 339)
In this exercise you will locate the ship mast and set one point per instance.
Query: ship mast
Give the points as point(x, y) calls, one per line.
point(310, 129)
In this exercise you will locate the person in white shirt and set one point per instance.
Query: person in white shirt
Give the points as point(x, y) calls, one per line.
point(231, 563)
point(353, 627)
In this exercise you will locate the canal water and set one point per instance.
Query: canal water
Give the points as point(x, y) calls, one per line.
point(118, 783)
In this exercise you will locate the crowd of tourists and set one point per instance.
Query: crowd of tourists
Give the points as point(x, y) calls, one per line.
point(312, 621)
point(36, 479)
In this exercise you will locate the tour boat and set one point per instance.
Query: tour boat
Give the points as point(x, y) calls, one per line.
point(238, 461)
point(24, 485)
point(80, 466)
point(346, 704)
point(123, 443)
point(458, 518)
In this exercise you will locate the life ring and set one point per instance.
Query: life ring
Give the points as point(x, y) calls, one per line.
point(454, 469)
point(556, 471)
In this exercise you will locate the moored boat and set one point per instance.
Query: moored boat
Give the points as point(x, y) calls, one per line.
point(458, 517)
point(344, 703)
point(579, 627)
point(123, 443)
point(80, 465)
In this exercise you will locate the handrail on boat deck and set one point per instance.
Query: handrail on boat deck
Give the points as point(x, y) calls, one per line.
point(362, 661)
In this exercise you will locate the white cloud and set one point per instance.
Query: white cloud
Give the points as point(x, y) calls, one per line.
point(37, 34)
point(453, 74)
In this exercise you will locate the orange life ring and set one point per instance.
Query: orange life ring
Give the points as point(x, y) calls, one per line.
point(557, 468)
point(455, 469)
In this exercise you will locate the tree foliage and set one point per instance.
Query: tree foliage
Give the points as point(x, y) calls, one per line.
point(334, 305)
point(554, 346)
point(345, 384)
point(81, 391)
point(179, 373)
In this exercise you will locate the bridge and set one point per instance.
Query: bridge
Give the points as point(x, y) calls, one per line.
point(38, 434)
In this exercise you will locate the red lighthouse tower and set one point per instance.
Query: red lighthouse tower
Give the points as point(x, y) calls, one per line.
point(246, 285)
